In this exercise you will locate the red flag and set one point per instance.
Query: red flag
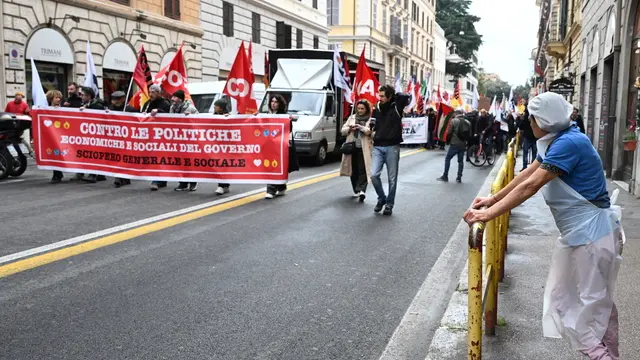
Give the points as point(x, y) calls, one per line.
point(175, 76)
point(250, 58)
point(366, 82)
point(142, 73)
point(456, 90)
point(240, 85)
point(265, 78)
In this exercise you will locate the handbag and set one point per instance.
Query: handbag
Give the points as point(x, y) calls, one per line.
point(348, 148)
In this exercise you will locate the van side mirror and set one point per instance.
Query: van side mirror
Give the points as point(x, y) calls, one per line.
point(329, 107)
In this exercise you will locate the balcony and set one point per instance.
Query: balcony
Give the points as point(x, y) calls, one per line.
point(397, 44)
point(557, 49)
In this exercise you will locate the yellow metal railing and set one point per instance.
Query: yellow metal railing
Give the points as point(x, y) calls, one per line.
point(483, 283)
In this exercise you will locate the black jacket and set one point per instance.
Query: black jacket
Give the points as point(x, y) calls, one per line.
point(525, 128)
point(124, 107)
point(388, 124)
point(95, 104)
point(483, 124)
point(74, 101)
point(580, 123)
point(161, 104)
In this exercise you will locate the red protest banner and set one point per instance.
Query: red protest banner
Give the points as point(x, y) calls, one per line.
point(176, 147)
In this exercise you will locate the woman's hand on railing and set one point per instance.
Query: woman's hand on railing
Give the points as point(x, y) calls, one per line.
point(473, 216)
point(481, 202)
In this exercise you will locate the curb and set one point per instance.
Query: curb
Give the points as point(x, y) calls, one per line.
point(450, 339)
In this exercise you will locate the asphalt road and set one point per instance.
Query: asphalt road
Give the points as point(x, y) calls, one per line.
point(312, 275)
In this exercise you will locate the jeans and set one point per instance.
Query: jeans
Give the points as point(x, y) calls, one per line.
point(389, 155)
point(454, 150)
point(526, 146)
point(359, 179)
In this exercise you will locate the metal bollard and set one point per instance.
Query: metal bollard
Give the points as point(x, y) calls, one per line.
point(491, 261)
point(474, 323)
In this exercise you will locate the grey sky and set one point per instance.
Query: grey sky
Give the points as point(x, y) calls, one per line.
point(509, 29)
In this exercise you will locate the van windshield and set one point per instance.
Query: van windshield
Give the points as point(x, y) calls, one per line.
point(306, 103)
point(203, 102)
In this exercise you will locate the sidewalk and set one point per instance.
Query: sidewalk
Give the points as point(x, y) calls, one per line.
point(532, 237)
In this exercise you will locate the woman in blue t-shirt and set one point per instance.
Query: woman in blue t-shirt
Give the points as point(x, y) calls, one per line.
point(578, 302)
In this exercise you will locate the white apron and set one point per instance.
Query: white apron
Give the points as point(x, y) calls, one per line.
point(578, 295)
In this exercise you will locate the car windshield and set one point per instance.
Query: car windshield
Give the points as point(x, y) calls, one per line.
point(203, 102)
point(303, 103)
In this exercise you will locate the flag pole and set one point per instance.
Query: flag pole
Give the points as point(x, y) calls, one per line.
point(126, 99)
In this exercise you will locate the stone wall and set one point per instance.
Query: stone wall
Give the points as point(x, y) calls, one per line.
point(102, 24)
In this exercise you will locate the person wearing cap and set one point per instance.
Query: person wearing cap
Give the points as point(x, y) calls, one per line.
point(181, 106)
point(156, 104)
point(18, 106)
point(222, 106)
point(578, 300)
point(119, 103)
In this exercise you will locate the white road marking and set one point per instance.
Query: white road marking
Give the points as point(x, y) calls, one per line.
point(11, 181)
point(119, 228)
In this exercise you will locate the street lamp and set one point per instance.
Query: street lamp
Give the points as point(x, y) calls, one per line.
point(73, 18)
point(133, 32)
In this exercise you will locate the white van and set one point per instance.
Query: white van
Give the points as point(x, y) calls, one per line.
point(204, 94)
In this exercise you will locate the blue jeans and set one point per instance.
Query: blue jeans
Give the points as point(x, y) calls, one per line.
point(454, 150)
point(526, 146)
point(382, 155)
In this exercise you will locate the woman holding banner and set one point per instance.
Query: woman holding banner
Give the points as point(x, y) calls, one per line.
point(357, 149)
point(54, 98)
point(278, 105)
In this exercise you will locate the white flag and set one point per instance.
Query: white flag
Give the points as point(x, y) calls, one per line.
point(340, 76)
point(476, 99)
point(37, 92)
point(90, 76)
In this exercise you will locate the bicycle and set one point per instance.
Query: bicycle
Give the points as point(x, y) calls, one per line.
point(478, 153)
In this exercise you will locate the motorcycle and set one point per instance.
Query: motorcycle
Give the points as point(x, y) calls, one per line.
point(13, 161)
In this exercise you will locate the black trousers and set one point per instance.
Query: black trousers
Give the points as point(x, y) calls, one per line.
point(359, 179)
point(185, 184)
point(274, 188)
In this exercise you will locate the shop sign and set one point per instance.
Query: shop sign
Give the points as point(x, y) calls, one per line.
point(120, 57)
point(562, 86)
point(49, 45)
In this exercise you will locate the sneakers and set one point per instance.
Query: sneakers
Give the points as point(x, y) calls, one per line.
point(379, 206)
point(443, 178)
point(222, 190)
point(356, 194)
point(270, 196)
point(121, 182)
point(154, 187)
point(361, 196)
point(181, 187)
point(281, 192)
point(193, 187)
point(459, 180)
point(92, 179)
point(388, 210)
point(55, 180)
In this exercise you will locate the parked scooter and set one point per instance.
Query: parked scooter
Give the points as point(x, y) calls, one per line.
point(13, 161)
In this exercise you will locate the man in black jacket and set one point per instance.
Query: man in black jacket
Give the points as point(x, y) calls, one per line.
point(577, 118)
point(387, 137)
point(91, 102)
point(156, 104)
point(73, 100)
point(529, 139)
point(119, 103)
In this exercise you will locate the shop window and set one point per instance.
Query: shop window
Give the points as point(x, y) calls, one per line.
point(316, 42)
point(172, 9)
point(113, 80)
point(283, 35)
point(52, 77)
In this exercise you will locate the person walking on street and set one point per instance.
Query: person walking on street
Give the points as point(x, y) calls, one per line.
point(529, 139)
point(577, 119)
point(73, 101)
point(578, 299)
point(387, 128)
point(357, 163)
point(18, 106)
point(180, 105)
point(457, 146)
point(222, 106)
point(54, 99)
point(118, 103)
point(91, 102)
point(278, 105)
point(156, 104)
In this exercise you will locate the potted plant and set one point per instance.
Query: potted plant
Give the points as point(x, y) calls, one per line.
point(630, 139)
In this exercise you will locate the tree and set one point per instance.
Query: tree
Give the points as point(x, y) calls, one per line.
point(459, 28)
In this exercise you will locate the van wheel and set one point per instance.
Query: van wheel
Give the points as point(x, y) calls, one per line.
point(321, 155)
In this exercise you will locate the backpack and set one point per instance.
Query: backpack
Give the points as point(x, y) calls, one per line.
point(464, 132)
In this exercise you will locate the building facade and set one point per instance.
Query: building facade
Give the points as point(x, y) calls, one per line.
point(55, 33)
point(468, 84)
point(282, 24)
point(439, 76)
point(397, 33)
